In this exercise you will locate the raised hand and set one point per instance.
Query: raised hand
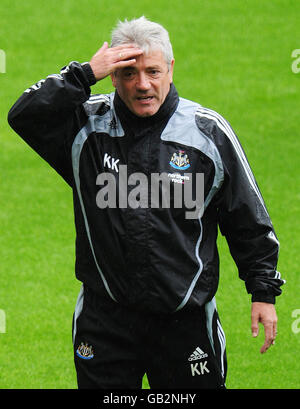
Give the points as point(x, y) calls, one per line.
point(106, 60)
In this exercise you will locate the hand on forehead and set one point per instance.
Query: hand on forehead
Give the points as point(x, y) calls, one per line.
point(107, 60)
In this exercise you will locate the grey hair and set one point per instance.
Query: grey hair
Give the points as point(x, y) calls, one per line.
point(145, 34)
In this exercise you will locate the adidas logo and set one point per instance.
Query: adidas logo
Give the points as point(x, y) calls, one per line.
point(198, 354)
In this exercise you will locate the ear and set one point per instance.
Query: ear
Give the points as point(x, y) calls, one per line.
point(113, 79)
point(171, 69)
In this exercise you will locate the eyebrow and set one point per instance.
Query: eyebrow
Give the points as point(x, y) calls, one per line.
point(152, 67)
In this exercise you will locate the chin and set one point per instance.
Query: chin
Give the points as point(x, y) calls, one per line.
point(145, 113)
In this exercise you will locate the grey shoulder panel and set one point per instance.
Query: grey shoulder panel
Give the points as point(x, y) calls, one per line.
point(77, 147)
point(101, 116)
point(183, 128)
point(99, 102)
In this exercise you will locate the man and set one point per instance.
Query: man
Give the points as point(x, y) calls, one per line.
point(149, 273)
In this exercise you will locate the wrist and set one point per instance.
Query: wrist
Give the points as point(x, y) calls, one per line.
point(89, 73)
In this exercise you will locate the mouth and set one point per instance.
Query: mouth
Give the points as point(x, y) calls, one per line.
point(145, 99)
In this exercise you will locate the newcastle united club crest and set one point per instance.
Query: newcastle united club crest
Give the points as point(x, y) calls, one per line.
point(85, 351)
point(180, 160)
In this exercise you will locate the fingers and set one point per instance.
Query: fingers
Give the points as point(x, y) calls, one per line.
point(107, 60)
point(270, 326)
point(265, 314)
point(269, 337)
point(123, 53)
point(119, 48)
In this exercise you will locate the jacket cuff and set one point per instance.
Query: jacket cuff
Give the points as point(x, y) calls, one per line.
point(262, 296)
point(89, 73)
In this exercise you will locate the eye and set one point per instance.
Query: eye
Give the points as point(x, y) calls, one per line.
point(128, 74)
point(154, 72)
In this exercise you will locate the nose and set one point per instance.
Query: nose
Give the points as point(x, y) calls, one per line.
point(143, 83)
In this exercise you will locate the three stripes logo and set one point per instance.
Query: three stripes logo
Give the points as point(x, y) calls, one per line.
point(198, 354)
point(198, 368)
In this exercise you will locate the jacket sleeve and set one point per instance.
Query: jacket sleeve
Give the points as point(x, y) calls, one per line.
point(49, 114)
point(244, 219)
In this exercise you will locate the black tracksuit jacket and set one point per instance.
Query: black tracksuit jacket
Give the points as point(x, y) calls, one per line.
point(154, 259)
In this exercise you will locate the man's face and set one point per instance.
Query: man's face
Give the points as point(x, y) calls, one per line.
point(144, 86)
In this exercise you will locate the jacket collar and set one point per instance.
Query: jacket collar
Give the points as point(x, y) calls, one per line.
point(138, 126)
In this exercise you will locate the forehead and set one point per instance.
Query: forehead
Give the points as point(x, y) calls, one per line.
point(153, 58)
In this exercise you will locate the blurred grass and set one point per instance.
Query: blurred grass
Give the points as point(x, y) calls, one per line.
point(231, 56)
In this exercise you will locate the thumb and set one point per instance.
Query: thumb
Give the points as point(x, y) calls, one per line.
point(101, 49)
point(104, 46)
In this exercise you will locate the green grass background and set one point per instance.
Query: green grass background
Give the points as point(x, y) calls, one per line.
point(232, 56)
